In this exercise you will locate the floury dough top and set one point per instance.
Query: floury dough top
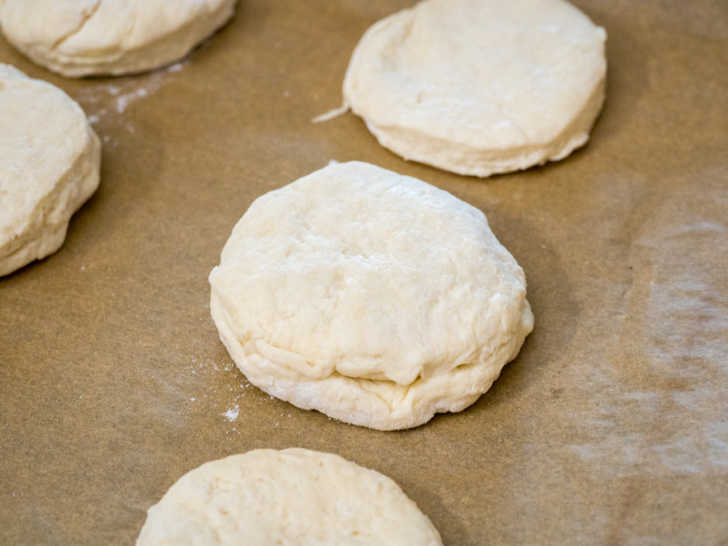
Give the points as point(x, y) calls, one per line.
point(480, 86)
point(373, 297)
point(83, 37)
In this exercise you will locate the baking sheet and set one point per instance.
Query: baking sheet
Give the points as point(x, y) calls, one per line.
point(611, 427)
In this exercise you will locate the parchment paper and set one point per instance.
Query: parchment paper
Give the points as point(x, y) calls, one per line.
point(611, 427)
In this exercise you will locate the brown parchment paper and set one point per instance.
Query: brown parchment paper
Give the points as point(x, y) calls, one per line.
point(611, 427)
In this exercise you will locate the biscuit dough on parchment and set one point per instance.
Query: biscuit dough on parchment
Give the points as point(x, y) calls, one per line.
point(49, 166)
point(372, 297)
point(85, 37)
point(479, 87)
point(293, 497)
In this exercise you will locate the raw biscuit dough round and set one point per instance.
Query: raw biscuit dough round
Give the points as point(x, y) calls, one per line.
point(293, 497)
point(85, 37)
point(49, 166)
point(479, 87)
point(372, 297)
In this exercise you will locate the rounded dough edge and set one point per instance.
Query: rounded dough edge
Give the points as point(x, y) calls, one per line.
point(357, 401)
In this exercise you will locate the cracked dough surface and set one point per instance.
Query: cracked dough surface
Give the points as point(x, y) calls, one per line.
point(479, 87)
point(372, 297)
point(85, 37)
point(293, 497)
point(49, 166)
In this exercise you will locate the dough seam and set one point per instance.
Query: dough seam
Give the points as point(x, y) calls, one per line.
point(85, 19)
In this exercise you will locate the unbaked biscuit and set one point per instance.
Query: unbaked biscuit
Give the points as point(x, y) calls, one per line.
point(49, 166)
point(479, 87)
point(85, 37)
point(293, 497)
point(372, 297)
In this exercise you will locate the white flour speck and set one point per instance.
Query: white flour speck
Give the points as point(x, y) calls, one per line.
point(123, 101)
point(232, 413)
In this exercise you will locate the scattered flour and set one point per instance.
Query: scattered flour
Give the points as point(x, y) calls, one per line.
point(124, 100)
point(123, 92)
point(232, 413)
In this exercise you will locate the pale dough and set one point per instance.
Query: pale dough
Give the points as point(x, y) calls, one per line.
point(479, 87)
point(293, 497)
point(49, 166)
point(372, 297)
point(85, 37)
